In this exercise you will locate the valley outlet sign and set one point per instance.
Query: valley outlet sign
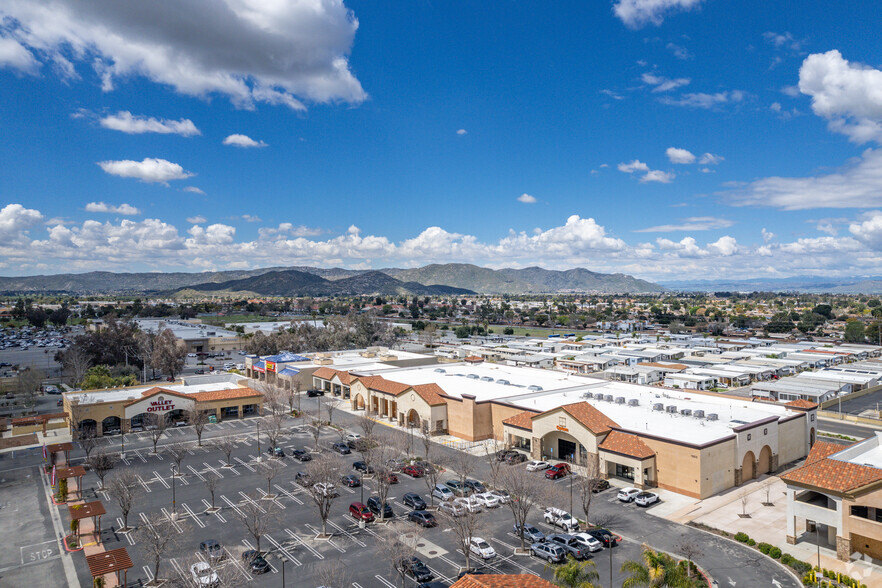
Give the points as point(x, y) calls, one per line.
point(160, 403)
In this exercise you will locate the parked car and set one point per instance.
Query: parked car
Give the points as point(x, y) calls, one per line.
point(416, 568)
point(390, 477)
point(325, 489)
point(451, 508)
point(627, 494)
point(211, 549)
point(362, 467)
point(515, 457)
point(646, 498)
point(276, 451)
point(352, 437)
point(606, 538)
point(470, 503)
point(474, 485)
point(414, 500)
point(414, 471)
point(599, 485)
point(301, 455)
point(342, 448)
point(302, 478)
point(502, 495)
point(360, 512)
point(255, 562)
point(442, 492)
point(203, 575)
point(314, 393)
point(373, 503)
point(395, 464)
point(503, 454)
point(588, 541)
point(487, 499)
point(422, 518)
point(458, 488)
point(570, 545)
point(557, 471)
point(461, 575)
point(481, 548)
point(200, 372)
point(351, 481)
point(530, 533)
point(547, 551)
point(557, 517)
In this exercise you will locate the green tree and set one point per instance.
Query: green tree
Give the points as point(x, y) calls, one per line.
point(60, 315)
point(576, 574)
point(658, 570)
point(462, 332)
point(854, 331)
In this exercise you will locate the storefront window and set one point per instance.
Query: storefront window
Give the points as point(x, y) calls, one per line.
point(623, 471)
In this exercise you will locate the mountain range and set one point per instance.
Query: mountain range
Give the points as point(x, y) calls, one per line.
point(802, 284)
point(452, 278)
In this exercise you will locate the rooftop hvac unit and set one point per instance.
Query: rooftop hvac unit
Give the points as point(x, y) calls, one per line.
point(441, 370)
point(588, 395)
point(608, 397)
point(686, 412)
point(658, 406)
point(535, 388)
point(633, 402)
point(472, 376)
point(620, 400)
point(503, 382)
point(699, 414)
point(486, 379)
point(671, 408)
point(713, 416)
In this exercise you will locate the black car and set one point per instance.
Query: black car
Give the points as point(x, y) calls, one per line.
point(373, 503)
point(416, 568)
point(351, 481)
point(314, 393)
point(599, 485)
point(341, 448)
point(606, 538)
point(414, 500)
point(302, 478)
point(503, 454)
point(211, 549)
point(255, 562)
point(422, 518)
point(475, 486)
point(301, 455)
point(275, 451)
point(362, 467)
point(515, 457)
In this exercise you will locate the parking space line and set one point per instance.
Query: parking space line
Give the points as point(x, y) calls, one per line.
point(232, 505)
point(248, 577)
point(158, 456)
point(247, 466)
point(231, 468)
point(309, 547)
point(172, 520)
point(439, 575)
point(126, 460)
point(247, 498)
point(141, 457)
point(249, 546)
point(503, 543)
point(160, 479)
point(195, 473)
point(148, 573)
point(216, 513)
point(345, 532)
point(384, 581)
point(193, 515)
point(279, 546)
point(288, 494)
point(275, 500)
point(183, 479)
point(143, 483)
point(177, 567)
point(244, 441)
point(214, 471)
point(128, 536)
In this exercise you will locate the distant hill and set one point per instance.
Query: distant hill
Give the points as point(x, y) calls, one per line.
point(804, 284)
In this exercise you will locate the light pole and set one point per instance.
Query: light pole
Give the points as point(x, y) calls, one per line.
point(174, 501)
point(258, 439)
point(283, 560)
point(610, 562)
point(818, 542)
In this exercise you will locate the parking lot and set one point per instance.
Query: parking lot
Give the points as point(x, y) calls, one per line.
point(293, 534)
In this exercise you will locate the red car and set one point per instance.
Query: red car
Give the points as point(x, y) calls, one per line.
point(361, 512)
point(413, 471)
point(391, 478)
point(557, 471)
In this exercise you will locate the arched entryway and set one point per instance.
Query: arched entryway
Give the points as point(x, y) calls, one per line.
point(359, 402)
point(748, 467)
point(139, 421)
point(178, 415)
point(87, 427)
point(413, 418)
point(111, 424)
point(765, 461)
point(558, 445)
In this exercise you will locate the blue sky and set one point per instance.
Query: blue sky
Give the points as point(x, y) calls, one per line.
point(669, 139)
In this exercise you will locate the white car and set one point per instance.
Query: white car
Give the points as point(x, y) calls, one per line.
point(627, 494)
point(537, 466)
point(203, 575)
point(352, 437)
point(646, 498)
point(587, 541)
point(503, 496)
point(325, 489)
point(481, 548)
point(471, 503)
point(451, 508)
point(191, 355)
point(561, 518)
point(488, 499)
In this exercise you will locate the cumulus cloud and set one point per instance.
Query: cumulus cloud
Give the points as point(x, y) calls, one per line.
point(526, 198)
point(633, 166)
point(639, 13)
point(149, 170)
point(285, 230)
point(193, 190)
point(249, 218)
point(648, 175)
point(251, 52)
point(677, 155)
point(848, 95)
point(703, 100)
point(15, 219)
point(197, 220)
point(462, 132)
point(693, 223)
point(13, 55)
point(767, 235)
point(124, 209)
point(663, 84)
point(126, 122)
point(710, 159)
point(237, 140)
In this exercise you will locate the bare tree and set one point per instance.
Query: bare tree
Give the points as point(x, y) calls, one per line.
point(334, 574)
point(583, 486)
point(226, 446)
point(367, 426)
point(123, 488)
point(88, 441)
point(464, 464)
point(323, 473)
point(177, 452)
point(28, 383)
point(101, 462)
point(427, 431)
point(227, 575)
point(398, 543)
point(272, 396)
point(256, 518)
point(156, 538)
point(690, 549)
point(271, 469)
point(316, 425)
point(432, 473)
point(210, 480)
point(380, 454)
point(744, 499)
point(491, 448)
point(199, 419)
point(465, 527)
point(527, 492)
point(169, 353)
point(767, 491)
point(273, 428)
point(292, 395)
point(156, 424)
point(331, 404)
point(74, 362)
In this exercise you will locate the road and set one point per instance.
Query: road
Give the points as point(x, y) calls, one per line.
point(846, 428)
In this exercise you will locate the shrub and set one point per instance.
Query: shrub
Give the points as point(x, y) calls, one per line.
point(741, 537)
point(800, 566)
point(764, 548)
point(775, 553)
point(786, 558)
point(751, 542)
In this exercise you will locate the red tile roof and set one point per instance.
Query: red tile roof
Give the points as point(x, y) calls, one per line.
point(225, 394)
point(800, 403)
point(821, 450)
point(326, 373)
point(831, 475)
point(381, 384)
point(596, 421)
point(522, 420)
point(431, 393)
point(626, 444)
point(502, 581)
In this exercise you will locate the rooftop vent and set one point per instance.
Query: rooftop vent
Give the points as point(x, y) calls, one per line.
point(633, 402)
point(671, 408)
point(586, 395)
point(686, 412)
point(608, 397)
point(472, 376)
point(713, 416)
point(486, 379)
point(620, 400)
point(503, 382)
point(535, 388)
point(658, 406)
point(441, 370)
point(699, 414)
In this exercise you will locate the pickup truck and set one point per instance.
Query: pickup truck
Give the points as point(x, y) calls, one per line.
point(570, 544)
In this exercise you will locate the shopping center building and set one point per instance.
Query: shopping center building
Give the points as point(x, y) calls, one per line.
point(127, 409)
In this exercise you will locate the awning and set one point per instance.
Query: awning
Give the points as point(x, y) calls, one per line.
point(260, 366)
point(289, 371)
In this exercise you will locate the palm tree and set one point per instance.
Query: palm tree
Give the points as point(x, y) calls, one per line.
point(576, 574)
point(658, 570)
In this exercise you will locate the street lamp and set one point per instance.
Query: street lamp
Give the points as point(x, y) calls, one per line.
point(283, 560)
point(174, 501)
point(818, 542)
point(258, 439)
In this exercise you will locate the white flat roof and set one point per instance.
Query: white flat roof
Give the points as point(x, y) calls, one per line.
point(126, 394)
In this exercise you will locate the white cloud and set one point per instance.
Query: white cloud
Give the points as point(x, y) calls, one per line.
point(638, 13)
point(649, 175)
point(237, 140)
point(710, 159)
point(677, 155)
point(827, 227)
point(149, 170)
point(248, 218)
point(197, 220)
point(526, 198)
point(855, 186)
point(612, 94)
point(678, 51)
point(784, 39)
point(693, 223)
point(724, 246)
point(15, 219)
point(15, 56)
point(462, 132)
point(663, 84)
point(124, 209)
point(126, 122)
point(775, 107)
point(285, 230)
point(767, 235)
point(703, 100)
point(633, 166)
point(193, 190)
point(792, 91)
point(848, 95)
point(251, 52)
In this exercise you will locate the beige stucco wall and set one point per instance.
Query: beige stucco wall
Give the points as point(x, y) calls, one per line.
point(793, 440)
point(548, 423)
point(500, 413)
